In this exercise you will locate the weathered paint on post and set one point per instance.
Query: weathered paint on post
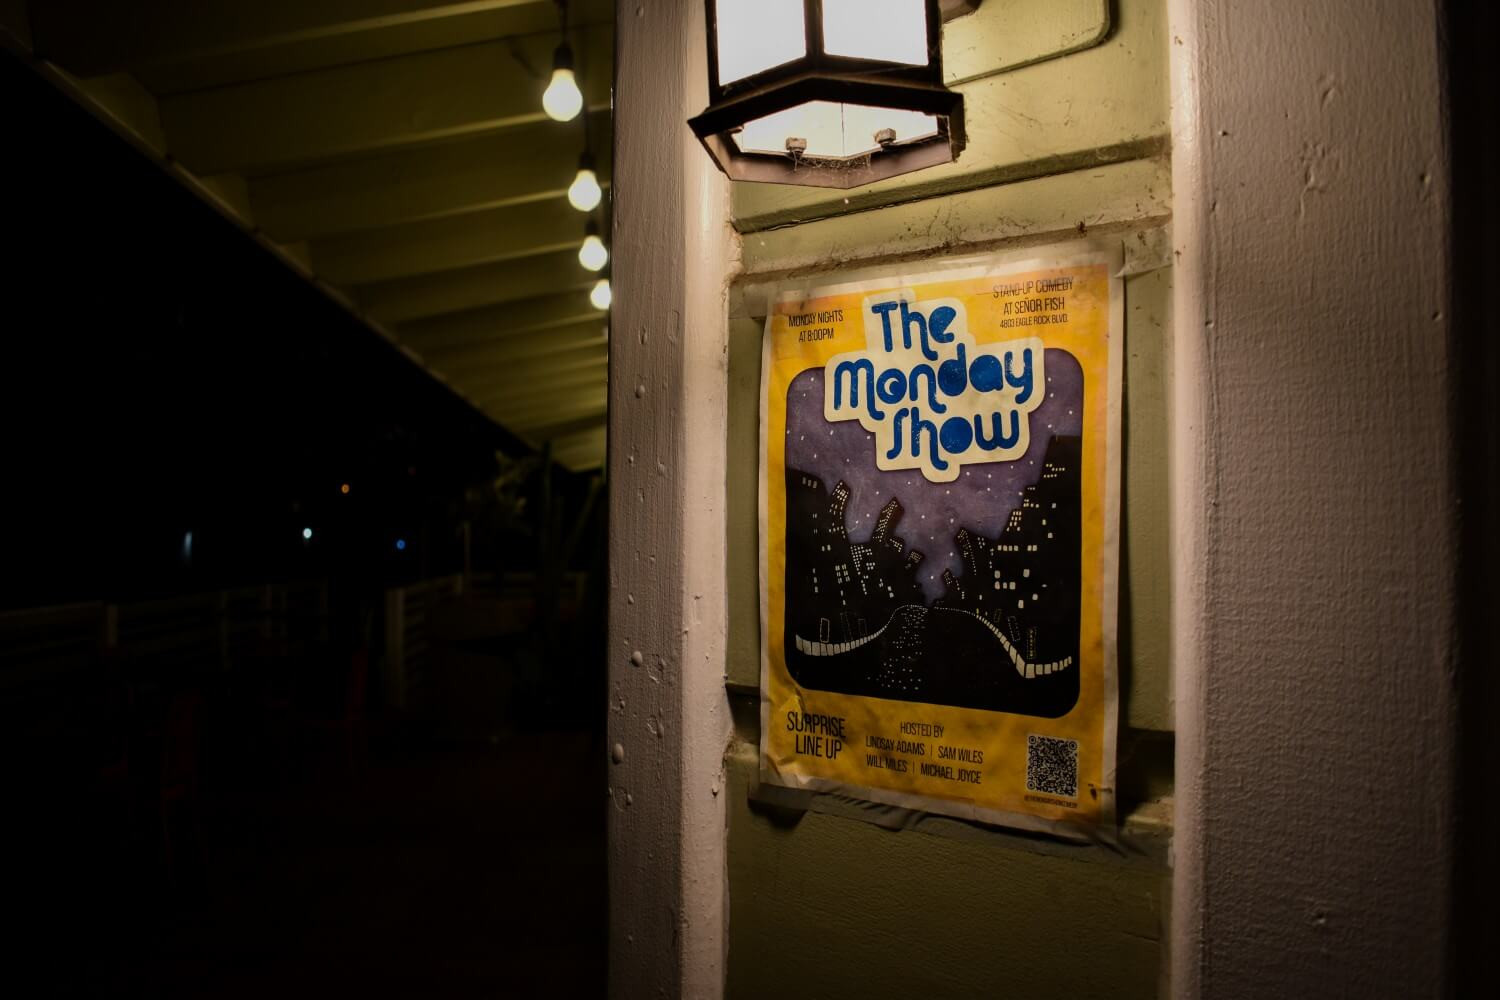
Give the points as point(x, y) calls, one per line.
point(1312, 504)
point(668, 722)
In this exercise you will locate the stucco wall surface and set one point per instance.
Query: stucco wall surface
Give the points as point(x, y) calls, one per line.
point(1077, 107)
point(825, 905)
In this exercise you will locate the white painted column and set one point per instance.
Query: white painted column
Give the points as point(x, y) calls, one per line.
point(1313, 509)
point(669, 718)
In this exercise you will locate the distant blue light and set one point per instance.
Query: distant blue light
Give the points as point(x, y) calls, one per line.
point(400, 545)
point(307, 534)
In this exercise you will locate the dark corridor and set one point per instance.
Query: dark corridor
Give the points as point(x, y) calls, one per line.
point(300, 653)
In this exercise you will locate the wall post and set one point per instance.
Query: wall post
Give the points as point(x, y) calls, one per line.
point(1314, 513)
point(668, 715)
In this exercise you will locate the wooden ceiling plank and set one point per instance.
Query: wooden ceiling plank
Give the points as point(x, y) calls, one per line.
point(539, 411)
point(482, 237)
point(407, 299)
point(523, 421)
point(508, 370)
point(478, 382)
point(568, 431)
point(548, 343)
point(530, 163)
point(361, 41)
point(582, 452)
point(383, 104)
point(102, 36)
point(562, 389)
point(558, 386)
point(476, 328)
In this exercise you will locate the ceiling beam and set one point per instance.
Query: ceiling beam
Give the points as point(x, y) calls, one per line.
point(455, 241)
point(581, 451)
point(528, 163)
point(101, 36)
point(542, 414)
point(558, 389)
point(406, 299)
point(475, 328)
point(481, 382)
point(446, 25)
point(559, 432)
point(534, 437)
point(537, 344)
point(286, 121)
point(553, 386)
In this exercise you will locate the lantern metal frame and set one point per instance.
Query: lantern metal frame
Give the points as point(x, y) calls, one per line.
point(821, 76)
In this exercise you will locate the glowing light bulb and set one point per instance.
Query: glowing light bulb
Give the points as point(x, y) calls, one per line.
point(585, 193)
point(400, 545)
point(307, 534)
point(600, 296)
point(562, 100)
point(593, 255)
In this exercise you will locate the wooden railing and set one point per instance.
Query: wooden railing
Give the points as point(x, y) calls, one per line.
point(201, 632)
point(407, 634)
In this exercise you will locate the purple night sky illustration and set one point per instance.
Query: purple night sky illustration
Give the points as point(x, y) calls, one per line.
point(980, 498)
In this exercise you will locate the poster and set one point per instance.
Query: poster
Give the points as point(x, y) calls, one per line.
point(939, 521)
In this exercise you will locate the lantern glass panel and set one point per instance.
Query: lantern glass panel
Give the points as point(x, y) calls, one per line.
point(885, 30)
point(831, 130)
point(755, 35)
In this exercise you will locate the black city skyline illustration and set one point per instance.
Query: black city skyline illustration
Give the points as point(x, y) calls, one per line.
point(1003, 636)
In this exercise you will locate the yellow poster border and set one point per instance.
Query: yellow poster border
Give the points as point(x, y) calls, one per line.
point(1099, 581)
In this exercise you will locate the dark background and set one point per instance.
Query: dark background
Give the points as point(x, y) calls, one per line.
point(165, 373)
point(196, 828)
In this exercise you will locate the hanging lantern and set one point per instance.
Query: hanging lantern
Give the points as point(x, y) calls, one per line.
point(829, 93)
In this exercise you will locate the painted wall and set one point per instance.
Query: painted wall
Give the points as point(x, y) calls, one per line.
point(822, 903)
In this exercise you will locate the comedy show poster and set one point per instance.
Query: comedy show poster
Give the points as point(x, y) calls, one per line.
point(939, 521)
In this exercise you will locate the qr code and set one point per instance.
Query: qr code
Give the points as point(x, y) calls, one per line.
point(1052, 766)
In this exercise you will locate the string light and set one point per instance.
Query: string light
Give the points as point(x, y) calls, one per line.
point(562, 100)
point(307, 534)
point(585, 193)
point(593, 255)
point(601, 296)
